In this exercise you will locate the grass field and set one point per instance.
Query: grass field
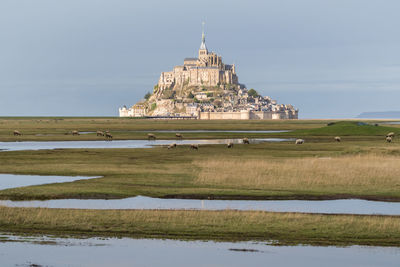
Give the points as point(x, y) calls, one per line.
point(370, 173)
point(47, 129)
point(57, 129)
point(228, 225)
point(363, 165)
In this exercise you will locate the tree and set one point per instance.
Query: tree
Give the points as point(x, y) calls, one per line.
point(191, 95)
point(147, 96)
point(253, 93)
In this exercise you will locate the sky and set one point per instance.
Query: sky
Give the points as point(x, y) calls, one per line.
point(330, 59)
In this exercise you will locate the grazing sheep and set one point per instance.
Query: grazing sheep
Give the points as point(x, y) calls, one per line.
point(299, 141)
point(17, 133)
point(75, 132)
point(171, 146)
point(246, 140)
point(178, 135)
point(194, 146)
point(229, 145)
point(109, 136)
point(100, 133)
point(389, 139)
point(391, 134)
point(338, 139)
point(151, 136)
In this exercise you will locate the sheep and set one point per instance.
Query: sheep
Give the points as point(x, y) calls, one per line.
point(229, 145)
point(100, 133)
point(299, 141)
point(109, 136)
point(75, 132)
point(178, 135)
point(171, 146)
point(194, 146)
point(151, 136)
point(246, 140)
point(338, 139)
point(391, 135)
point(389, 139)
point(17, 133)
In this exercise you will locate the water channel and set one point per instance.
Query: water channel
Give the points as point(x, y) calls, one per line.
point(342, 206)
point(11, 180)
point(48, 251)
point(391, 122)
point(38, 145)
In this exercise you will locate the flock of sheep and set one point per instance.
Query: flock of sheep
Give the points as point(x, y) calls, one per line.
point(150, 136)
point(301, 141)
point(389, 139)
point(106, 134)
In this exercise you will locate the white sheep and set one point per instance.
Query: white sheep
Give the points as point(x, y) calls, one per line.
point(299, 141)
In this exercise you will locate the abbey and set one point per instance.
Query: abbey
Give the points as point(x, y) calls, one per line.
point(206, 70)
point(205, 87)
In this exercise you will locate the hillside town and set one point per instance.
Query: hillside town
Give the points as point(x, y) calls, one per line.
point(206, 88)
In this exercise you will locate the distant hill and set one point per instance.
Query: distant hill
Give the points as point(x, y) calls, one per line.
point(380, 115)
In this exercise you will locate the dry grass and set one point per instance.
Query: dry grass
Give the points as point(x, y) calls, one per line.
point(363, 171)
point(290, 228)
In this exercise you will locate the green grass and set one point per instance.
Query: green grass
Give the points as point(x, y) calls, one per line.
point(348, 128)
point(47, 129)
point(58, 129)
point(159, 172)
point(228, 225)
point(256, 171)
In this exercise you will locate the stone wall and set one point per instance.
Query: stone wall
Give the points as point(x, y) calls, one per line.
point(224, 115)
point(249, 115)
point(196, 77)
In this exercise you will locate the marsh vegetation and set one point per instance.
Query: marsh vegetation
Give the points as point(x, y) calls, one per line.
point(228, 225)
point(363, 165)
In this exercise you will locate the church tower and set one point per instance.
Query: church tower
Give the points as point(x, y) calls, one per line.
point(203, 52)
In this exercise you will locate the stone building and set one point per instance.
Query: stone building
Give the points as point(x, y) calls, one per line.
point(205, 70)
point(137, 110)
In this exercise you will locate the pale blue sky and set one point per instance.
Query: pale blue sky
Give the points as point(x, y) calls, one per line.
point(88, 57)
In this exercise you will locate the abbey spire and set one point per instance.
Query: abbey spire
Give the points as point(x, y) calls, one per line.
point(203, 39)
point(203, 48)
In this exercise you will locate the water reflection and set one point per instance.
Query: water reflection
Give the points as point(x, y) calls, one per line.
point(391, 122)
point(38, 145)
point(46, 251)
point(343, 206)
point(16, 180)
